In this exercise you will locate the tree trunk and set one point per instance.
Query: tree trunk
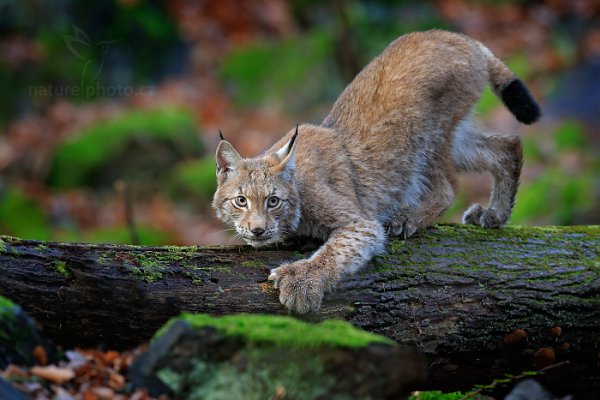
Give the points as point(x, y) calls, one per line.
point(458, 293)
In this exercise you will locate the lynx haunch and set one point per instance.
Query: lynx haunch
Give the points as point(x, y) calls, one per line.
point(383, 162)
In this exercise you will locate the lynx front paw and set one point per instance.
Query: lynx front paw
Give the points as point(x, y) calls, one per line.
point(484, 217)
point(301, 286)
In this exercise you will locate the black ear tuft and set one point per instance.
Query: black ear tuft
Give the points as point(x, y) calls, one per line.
point(292, 141)
point(221, 135)
point(519, 101)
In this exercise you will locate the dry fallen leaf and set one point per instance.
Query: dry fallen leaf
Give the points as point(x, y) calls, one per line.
point(116, 381)
point(110, 357)
point(104, 393)
point(14, 371)
point(53, 374)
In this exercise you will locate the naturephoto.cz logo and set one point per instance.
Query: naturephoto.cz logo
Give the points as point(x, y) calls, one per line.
point(92, 56)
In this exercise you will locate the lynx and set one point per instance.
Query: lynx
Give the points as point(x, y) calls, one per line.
point(383, 162)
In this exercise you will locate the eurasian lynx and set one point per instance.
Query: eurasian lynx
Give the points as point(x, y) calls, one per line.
point(384, 161)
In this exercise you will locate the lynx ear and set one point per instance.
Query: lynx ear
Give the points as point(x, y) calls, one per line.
point(227, 158)
point(286, 155)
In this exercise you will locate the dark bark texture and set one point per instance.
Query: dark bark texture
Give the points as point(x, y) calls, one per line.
point(457, 293)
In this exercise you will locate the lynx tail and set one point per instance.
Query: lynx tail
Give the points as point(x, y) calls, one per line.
point(511, 90)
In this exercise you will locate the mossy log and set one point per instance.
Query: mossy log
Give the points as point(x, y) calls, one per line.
point(457, 293)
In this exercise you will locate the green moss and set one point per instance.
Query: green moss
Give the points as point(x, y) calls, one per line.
point(152, 269)
point(41, 248)
point(179, 253)
point(509, 232)
point(284, 331)
point(397, 245)
point(60, 267)
point(148, 276)
point(114, 235)
point(6, 303)
point(263, 370)
point(22, 216)
point(77, 160)
point(7, 317)
point(569, 136)
point(531, 149)
point(151, 265)
point(563, 46)
point(171, 378)
point(196, 177)
point(549, 250)
point(437, 395)
point(2, 246)
point(196, 280)
point(253, 263)
point(572, 193)
point(211, 268)
point(540, 256)
point(276, 70)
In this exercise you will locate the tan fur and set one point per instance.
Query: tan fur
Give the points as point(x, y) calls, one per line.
point(383, 161)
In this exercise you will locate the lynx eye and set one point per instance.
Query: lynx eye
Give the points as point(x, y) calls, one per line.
point(240, 201)
point(273, 202)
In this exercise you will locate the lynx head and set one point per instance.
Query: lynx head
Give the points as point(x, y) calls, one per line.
point(258, 196)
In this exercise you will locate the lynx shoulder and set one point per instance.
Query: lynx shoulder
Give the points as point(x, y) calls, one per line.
point(383, 162)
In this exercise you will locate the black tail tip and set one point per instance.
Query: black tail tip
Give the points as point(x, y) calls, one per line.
point(519, 101)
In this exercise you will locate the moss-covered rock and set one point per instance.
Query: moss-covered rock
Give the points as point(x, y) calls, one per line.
point(195, 178)
point(18, 335)
point(263, 356)
point(136, 146)
point(283, 331)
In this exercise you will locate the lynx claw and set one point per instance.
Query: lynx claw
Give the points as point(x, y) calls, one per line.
point(402, 227)
point(484, 217)
point(301, 289)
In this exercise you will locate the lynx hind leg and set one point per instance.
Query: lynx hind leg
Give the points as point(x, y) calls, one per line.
point(434, 202)
point(502, 157)
point(402, 224)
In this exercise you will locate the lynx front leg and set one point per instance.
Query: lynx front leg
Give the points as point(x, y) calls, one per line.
point(302, 284)
point(502, 156)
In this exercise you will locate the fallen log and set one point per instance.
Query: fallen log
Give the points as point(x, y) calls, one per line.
point(478, 303)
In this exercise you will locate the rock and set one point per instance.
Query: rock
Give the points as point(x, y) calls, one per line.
point(19, 336)
point(7, 391)
point(529, 390)
point(259, 356)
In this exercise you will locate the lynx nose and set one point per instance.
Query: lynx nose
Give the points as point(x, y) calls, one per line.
point(257, 231)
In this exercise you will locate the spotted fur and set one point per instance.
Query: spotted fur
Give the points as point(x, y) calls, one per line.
point(384, 161)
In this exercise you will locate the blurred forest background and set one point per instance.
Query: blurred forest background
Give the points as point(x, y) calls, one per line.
point(109, 110)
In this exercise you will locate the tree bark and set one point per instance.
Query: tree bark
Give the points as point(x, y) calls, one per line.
point(457, 293)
